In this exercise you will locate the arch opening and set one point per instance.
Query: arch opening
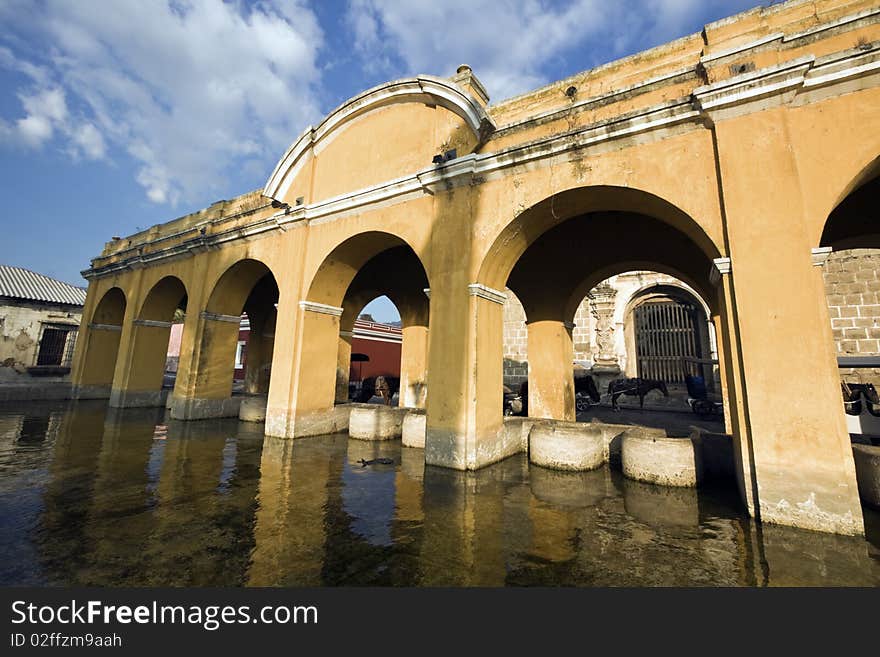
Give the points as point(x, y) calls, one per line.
point(851, 277)
point(564, 263)
point(357, 271)
point(101, 346)
point(155, 346)
point(236, 346)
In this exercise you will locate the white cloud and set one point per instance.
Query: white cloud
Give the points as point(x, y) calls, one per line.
point(90, 141)
point(511, 44)
point(193, 90)
point(34, 130)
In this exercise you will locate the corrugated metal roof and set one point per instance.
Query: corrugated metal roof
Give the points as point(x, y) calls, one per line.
point(19, 283)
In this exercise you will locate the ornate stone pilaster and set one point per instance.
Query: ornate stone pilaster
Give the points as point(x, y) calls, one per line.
point(602, 309)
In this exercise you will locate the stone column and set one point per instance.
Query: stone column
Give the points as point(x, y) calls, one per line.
point(801, 454)
point(204, 385)
point(316, 355)
point(97, 348)
point(261, 341)
point(413, 366)
point(464, 409)
point(343, 366)
point(551, 370)
point(140, 369)
point(605, 362)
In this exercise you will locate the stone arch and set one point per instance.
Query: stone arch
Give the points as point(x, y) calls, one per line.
point(527, 227)
point(854, 222)
point(700, 289)
point(140, 382)
point(424, 89)
point(356, 270)
point(555, 252)
point(331, 282)
point(100, 348)
point(249, 287)
point(231, 290)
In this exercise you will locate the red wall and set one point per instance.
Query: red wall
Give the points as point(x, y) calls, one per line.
point(384, 359)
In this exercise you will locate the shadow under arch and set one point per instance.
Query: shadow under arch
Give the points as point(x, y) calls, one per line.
point(331, 282)
point(100, 349)
point(527, 227)
point(855, 220)
point(706, 298)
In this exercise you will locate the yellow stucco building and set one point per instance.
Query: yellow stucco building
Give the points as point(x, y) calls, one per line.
point(734, 160)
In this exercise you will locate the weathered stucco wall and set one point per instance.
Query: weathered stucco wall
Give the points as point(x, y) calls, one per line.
point(20, 332)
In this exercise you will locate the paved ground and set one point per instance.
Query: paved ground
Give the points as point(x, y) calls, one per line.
point(676, 423)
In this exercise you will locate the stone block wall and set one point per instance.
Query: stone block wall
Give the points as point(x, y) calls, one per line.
point(852, 288)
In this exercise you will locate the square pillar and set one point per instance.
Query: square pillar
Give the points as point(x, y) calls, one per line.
point(551, 370)
point(414, 366)
point(790, 409)
point(464, 410)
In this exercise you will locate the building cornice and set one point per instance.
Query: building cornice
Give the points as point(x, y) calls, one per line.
point(732, 96)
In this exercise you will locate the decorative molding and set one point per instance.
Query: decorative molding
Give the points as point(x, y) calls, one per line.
point(753, 85)
point(153, 323)
point(217, 317)
point(346, 334)
point(851, 18)
point(486, 292)
point(105, 327)
point(720, 267)
point(820, 255)
point(712, 56)
point(321, 308)
point(423, 88)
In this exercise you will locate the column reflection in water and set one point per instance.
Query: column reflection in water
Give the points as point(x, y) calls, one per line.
point(129, 498)
point(290, 532)
point(464, 536)
point(203, 533)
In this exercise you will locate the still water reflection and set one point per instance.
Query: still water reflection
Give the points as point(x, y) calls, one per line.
point(91, 496)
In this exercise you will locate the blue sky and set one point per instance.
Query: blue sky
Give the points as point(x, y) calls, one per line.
point(117, 115)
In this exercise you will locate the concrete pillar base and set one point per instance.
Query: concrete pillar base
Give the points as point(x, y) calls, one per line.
point(200, 409)
point(659, 460)
point(91, 392)
point(413, 432)
point(567, 445)
point(376, 422)
point(867, 459)
point(517, 430)
point(138, 398)
point(253, 409)
point(328, 421)
point(447, 448)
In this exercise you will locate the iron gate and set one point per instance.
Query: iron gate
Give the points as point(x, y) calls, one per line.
point(667, 340)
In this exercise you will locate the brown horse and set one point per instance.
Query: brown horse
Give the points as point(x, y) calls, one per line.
point(633, 387)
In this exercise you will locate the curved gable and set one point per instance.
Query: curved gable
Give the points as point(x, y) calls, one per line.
point(407, 122)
